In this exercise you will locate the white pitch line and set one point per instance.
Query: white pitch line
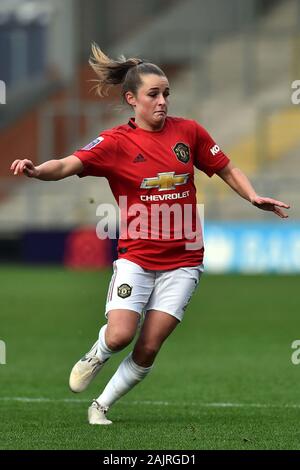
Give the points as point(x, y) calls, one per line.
point(154, 403)
point(43, 400)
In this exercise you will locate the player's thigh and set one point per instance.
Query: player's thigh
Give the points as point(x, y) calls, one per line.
point(157, 326)
point(121, 328)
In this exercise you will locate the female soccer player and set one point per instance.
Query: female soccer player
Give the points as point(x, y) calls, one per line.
point(150, 162)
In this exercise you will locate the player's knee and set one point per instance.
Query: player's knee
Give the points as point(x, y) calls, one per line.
point(146, 352)
point(117, 340)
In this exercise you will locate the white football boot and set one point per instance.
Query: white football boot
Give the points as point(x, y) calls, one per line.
point(97, 414)
point(85, 370)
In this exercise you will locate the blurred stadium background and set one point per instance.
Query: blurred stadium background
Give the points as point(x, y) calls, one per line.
point(231, 65)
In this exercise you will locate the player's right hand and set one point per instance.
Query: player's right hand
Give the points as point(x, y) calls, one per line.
point(25, 167)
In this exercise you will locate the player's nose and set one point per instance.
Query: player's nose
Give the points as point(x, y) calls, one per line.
point(162, 101)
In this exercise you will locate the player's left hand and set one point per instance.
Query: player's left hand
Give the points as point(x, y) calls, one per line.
point(269, 204)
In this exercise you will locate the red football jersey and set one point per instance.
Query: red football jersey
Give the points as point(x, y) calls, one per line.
point(155, 171)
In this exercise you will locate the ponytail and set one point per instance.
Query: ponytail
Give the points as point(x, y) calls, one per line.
point(123, 71)
point(110, 72)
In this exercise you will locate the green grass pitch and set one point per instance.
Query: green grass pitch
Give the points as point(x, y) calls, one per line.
point(223, 380)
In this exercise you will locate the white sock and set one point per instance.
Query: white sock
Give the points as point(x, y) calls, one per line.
point(103, 351)
point(126, 377)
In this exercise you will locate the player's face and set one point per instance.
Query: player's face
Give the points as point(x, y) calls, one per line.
point(151, 102)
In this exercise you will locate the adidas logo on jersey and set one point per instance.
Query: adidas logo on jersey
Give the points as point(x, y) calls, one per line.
point(139, 158)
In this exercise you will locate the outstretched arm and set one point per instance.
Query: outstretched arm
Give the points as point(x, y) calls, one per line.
point(239, 182)
point(52, 170)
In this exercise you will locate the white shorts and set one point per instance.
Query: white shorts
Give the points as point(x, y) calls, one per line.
point(134, 288)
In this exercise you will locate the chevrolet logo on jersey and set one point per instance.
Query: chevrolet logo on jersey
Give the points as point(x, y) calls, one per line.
point(165, 181)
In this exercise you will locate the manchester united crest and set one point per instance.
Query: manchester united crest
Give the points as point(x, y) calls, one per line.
point(124, 290)
point(182, 152)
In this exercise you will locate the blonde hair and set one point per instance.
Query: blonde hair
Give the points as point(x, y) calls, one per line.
point(122, 71)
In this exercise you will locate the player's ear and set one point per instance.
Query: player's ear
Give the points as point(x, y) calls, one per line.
point(130, 98)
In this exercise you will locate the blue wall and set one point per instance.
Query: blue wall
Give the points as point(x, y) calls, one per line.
point(248, 247)
point(252, 247)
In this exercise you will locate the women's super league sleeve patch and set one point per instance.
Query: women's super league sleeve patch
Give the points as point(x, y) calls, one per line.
point(93, 143)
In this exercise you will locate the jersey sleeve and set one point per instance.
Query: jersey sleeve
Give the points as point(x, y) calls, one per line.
point(98, 157)
point(208, 158)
